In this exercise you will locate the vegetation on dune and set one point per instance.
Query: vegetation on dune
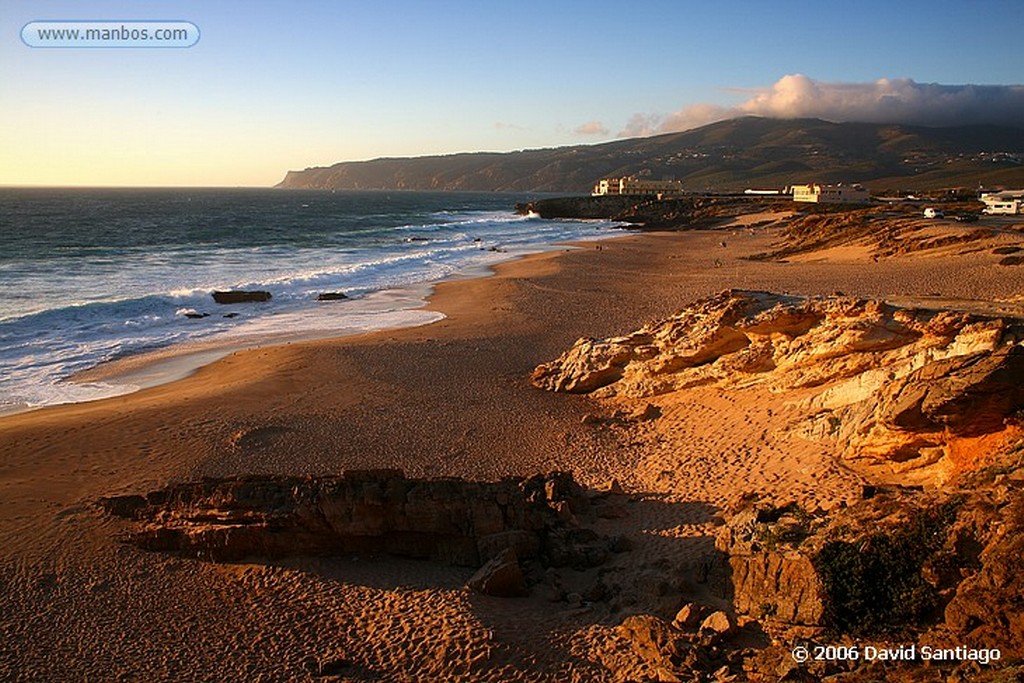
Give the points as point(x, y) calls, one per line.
point(875, 584)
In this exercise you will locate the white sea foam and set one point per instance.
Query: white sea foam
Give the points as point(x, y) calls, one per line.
point(61, 315)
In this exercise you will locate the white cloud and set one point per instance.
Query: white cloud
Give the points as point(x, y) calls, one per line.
point(642, 125)
point(890, 101)
point(883, 101)
point(591, 128)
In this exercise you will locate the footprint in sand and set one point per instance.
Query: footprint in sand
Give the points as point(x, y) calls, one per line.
point(257, 438)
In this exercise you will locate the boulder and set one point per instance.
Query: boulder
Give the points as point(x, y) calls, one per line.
point(968, 395)
point(239, 296)
point(718, 622)
point(689, 616)
point(331, 296)
point(501, 576)
point(652, 639)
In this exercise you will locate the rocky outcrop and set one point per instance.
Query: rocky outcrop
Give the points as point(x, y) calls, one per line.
point(876, 381)
point(645, 212)
point(331, 296)
point(762, 573)
point(239, 296)
point(945, 563)
point(377, 511)
point(585, 206)
point(887, 230)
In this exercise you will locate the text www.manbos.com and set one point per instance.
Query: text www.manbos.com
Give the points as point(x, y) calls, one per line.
point(110, 34)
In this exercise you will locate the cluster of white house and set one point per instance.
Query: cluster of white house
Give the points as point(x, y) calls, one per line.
point(631, 185)
point(1003, 202)
point(830, 194)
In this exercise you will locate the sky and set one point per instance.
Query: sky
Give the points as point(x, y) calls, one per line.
point(274, 85)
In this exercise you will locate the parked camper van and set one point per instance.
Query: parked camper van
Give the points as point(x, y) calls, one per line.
point(1005, 202)
point(1006, 208)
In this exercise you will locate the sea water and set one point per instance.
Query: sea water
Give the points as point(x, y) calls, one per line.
point(92, 275)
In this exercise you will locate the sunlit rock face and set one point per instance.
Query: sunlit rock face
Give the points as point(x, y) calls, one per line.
point(913, 388)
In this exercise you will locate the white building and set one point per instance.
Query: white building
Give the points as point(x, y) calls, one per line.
point(831, 194)
point(631, 185)
point(1010, 202)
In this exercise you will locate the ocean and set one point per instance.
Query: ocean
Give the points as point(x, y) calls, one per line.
point(92, 275)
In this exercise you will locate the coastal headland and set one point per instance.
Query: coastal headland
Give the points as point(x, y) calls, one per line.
point(687, 453)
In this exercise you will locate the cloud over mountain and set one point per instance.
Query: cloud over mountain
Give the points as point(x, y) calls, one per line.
point(883, 101)
point(591, 128)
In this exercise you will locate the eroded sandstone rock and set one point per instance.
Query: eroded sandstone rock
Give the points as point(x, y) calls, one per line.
point(376, 511)
point(897, 385)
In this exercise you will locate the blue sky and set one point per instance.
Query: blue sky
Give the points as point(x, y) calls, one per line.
point(273, 86)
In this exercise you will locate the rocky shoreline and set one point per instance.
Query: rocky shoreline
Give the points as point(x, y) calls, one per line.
point(648, 213)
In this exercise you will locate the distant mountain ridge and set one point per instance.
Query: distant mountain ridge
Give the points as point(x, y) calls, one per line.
point(729, 155)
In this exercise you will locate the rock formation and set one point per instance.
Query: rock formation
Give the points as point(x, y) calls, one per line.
point(644, 212)
point(500, 576)
point(935, 569)
point(934, 396)
point(901, 386)
point(946, 566)
point(239, 296)
point(376, 511)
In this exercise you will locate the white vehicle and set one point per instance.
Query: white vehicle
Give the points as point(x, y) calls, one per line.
point(1005, 202)
point(1010, 208)
point(932, 213)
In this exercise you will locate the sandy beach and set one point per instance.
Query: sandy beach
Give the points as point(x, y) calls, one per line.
point(450, 399)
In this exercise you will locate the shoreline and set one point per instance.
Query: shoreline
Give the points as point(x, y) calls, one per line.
point(136, 372)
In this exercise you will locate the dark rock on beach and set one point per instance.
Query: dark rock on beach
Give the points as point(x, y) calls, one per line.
point(374, 511)
point(643, 212)
point(239, 296)
point(606, 206)
point(332, 296)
